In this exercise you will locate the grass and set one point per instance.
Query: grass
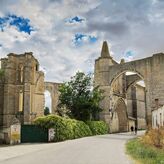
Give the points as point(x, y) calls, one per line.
point(144, 153)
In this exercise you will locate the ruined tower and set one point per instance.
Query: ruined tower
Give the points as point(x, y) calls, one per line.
point(22, 90)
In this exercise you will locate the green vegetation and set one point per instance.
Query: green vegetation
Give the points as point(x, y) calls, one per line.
point(98, 127)
point(70, 128)
point(46, 111)
point(78, 100)
point(144, 152)
point(149, 148)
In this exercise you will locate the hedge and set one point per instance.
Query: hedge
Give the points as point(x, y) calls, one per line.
point(70, 128)
point(98, 127)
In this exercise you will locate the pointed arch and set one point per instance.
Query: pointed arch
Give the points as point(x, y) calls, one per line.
point(121, 110)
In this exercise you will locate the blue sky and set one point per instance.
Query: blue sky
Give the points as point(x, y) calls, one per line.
point(75, 19)
point(66, 36)
point(22, 24)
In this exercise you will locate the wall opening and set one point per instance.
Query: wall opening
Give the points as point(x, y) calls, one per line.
point(121, 112)
point(20, 101)
point(48, 100)
point(130, 86)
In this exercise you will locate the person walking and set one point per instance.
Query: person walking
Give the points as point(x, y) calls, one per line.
point(132, 129)
point(135, 130)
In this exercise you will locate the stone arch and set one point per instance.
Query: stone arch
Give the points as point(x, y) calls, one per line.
point(122, 71)
point(134, 105)
point(130, 79)
point(151, 69)
point(121, 110)
point(53, 89)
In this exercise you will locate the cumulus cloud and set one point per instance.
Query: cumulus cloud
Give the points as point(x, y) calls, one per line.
point(134, 27)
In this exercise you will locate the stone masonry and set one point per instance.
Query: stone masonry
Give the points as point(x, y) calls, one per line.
point(111, 77)
point(21, 90)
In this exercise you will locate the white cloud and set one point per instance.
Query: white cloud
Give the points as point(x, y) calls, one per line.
point(131, 25)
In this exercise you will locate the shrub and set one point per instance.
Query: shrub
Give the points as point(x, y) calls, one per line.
point(81, 130)
point(64, 128)
point(154, 137)
point(98, 127)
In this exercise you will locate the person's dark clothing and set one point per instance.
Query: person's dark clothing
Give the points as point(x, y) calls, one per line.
point(135, 130)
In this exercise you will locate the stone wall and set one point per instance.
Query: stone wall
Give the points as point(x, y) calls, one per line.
point(21, 91)
point(136, 105)
point(150, 69)
point(158, 117)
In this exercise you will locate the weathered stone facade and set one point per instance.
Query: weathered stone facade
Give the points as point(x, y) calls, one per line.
point(21, 90)
point(111, 77)
point(136, 106)
point(158, 117)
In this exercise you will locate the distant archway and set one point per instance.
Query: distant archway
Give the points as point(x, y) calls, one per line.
point(150, 69)
point(130, 87)
point(121, 111)
point(52, 88)
point(48, 100)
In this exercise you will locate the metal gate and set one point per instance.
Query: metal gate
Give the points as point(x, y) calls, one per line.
point(33, 133)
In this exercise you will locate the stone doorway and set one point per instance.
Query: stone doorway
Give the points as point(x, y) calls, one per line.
point(121, 111)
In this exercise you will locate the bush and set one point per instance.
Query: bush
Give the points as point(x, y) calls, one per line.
point(64, 128)
point(154, 137)
point(70, 128)
point(81, 130)
point(98, 127)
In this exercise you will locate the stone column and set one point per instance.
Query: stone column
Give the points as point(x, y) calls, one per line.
point(27, 92)
point(27, 103)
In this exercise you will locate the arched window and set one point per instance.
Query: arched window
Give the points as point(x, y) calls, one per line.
point(48, 101)
point(21, 73)
point(20, 100)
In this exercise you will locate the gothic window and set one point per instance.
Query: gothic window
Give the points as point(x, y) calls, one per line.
point(20, 100)
point(21, 73)
point(37, 68)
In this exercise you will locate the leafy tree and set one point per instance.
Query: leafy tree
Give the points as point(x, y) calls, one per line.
point(46, 111)
point(80, 98)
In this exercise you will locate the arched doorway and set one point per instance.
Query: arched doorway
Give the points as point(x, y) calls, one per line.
point(128, 94)
point(120, 117)
point(52, 88)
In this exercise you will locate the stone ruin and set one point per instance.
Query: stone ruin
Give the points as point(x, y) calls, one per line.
point(126, 103)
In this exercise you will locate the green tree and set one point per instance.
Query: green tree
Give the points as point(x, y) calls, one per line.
point(80, 98)
point(46, 111)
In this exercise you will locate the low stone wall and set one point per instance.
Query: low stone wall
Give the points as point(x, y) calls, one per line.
point(5, 135)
